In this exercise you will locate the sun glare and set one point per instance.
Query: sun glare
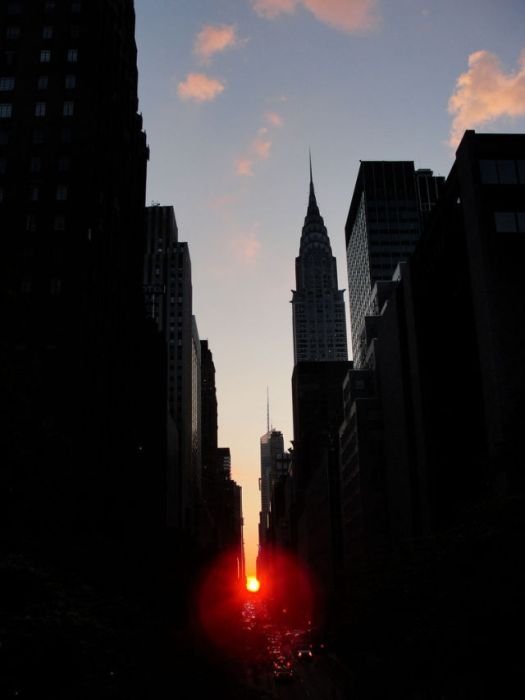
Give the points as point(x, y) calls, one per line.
point(252, 584)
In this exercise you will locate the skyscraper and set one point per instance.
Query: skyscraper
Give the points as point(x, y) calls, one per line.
point(168, 299)
point(272, 447)
point(72, 187)
point(319, 324)
point(389, 204)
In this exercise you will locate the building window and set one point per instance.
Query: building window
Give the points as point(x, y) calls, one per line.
point(35, 165)
point(43, 82)
point(498, 172)
point(7, 84)
point(3, 166)
point(12, 32)
point(38, 136)
point(61, 193)
point(75, 32)
point(35, 194)
point(6, 110)
point(72, 55)
point(55, 286)
point(4, 138)
point(63, 164)
point(1, 194)
point(31, 222)
point(68, 109)
point(70, 82)
point(40, 109)
point(14, 8)
point(76, 6)
point(49, 6)
point(521, 171)
point(45, 56)
point(66, 135)
point(510, 221)
point(59, 223)
point(47, 32)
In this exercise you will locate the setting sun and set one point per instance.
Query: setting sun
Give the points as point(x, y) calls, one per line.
point(252, 584)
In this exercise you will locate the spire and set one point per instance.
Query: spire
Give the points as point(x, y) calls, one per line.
point(267, 410)
point(313, 209)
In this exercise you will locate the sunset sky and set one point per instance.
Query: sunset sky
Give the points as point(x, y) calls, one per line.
point(235, 92)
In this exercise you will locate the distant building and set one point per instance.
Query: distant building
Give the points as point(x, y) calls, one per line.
point(224, 463)
point(168, 300)
point(272, 449)
point(318, 308)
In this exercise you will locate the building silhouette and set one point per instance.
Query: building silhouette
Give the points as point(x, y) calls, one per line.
point(318, 309)
point(168, 300)
point(80, 395)
point(431, 437)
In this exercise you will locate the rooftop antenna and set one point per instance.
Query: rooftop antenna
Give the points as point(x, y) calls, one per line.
point(310, 157)
point(267, 410)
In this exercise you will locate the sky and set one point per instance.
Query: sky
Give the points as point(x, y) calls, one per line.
point(234, 93)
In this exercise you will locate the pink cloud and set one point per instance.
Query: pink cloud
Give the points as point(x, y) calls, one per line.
point(261, 145)
point(247, 247)
point(244, 167)
point(345, 15)
point(274, 119)
point(485, 93)
point(200, 88)
point(214, 39)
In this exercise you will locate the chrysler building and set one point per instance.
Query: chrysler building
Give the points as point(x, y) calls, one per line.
point(319, 324)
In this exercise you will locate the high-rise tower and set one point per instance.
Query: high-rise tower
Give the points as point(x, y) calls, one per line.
point(319, 324)
point(389, 205)
point(72, 188)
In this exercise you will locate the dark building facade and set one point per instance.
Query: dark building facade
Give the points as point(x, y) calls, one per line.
point(317, 400)
point(81, 397)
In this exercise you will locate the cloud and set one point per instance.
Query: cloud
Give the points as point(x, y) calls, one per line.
point(346, 15)
point(274, 119)
point(485, 93)
point(200, 88)
point(214, 39)
point(261, 145)
point(244, 167)
point(247, 246)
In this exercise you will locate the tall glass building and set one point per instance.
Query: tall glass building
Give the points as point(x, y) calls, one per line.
point(390, 202)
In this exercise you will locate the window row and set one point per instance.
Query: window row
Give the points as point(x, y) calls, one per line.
point(70, 82)
point(58, 223)
point(502, 172)
point(71, 55)
point(68, 109)
point(12, 33)
point(15, 8)
point(61, 193)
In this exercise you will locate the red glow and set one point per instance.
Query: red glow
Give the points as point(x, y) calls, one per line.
point(283, 589)
point(218, 605)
